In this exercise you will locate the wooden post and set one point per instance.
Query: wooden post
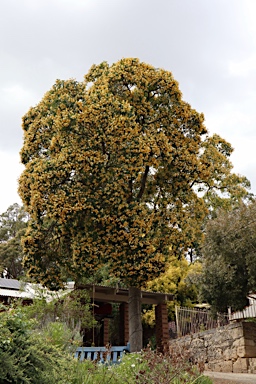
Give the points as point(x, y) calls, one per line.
point(135, 324)
point(105, 331)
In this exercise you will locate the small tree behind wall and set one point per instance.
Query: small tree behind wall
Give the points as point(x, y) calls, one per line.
point(111, 166)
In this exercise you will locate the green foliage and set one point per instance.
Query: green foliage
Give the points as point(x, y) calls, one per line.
point(101, 276)
point(13, 223)
point(180, 279)
point(229, 271)
point(26, 357)
point(32, 355)
point(224, 189)
point(62, 318)
point(60, 335)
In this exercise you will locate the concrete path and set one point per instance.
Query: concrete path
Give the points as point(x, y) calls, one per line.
point(239, 378)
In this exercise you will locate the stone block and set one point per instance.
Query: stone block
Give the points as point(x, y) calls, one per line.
point(228, 354)
point(227, 366)
point(225, 344)
point(210, 366)
point(234, 353)
point(252, 364)
point(249, 342)
point(214, 366)
point(252, 361)
point(241, 351)
point(237, 332)
point(249, 328)
point(241, 365)
point(217, 353)
point(239, 342)
point(246, 351)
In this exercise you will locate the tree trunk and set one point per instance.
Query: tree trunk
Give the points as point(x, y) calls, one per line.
point(135, 324)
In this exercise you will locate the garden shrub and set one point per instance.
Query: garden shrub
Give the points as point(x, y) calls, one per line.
point(26, 357)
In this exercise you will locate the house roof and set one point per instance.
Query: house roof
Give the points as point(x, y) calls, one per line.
point(15, 293)
point(14, 288)
point(121, 295)
point(9, 283)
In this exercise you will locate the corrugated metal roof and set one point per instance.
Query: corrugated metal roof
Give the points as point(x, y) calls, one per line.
point(13, 293)
point(9, 283)
point(30, 290)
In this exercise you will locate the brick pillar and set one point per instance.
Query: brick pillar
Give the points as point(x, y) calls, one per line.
point(105, 331)
point(124, 323)
point(162, 334)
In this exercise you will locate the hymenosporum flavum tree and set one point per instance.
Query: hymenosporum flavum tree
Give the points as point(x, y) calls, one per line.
point(111, 166)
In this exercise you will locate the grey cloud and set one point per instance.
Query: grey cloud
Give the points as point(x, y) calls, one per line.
point(43, 40)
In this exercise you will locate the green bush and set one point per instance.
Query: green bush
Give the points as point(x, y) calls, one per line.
point(63, 319)
point(26, 357)
point(74, 309)
point(61, 336)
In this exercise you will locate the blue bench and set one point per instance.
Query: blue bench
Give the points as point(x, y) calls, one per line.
point(102, 354)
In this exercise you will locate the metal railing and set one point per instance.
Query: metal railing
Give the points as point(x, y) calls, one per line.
point(192, 320)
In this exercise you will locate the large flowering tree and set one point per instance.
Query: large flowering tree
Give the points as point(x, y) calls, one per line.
point(112, 169)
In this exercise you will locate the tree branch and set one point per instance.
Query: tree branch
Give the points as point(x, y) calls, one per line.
point(143, 183)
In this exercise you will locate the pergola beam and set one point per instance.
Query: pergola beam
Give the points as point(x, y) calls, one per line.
point(121, 295)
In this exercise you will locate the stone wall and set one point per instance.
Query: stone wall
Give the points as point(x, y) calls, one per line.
point(231, 348)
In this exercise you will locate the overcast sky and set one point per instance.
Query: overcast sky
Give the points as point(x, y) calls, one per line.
point(208, 45)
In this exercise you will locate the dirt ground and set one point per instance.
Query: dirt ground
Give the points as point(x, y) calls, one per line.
point(223, 381)
point(231, 378)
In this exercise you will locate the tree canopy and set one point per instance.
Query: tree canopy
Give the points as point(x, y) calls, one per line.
point(13, 223)
point(229, 273)
point(182, 279)
point(113, 167)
